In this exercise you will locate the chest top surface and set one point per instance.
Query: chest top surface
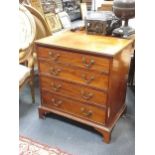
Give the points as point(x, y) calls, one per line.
point(83, 42)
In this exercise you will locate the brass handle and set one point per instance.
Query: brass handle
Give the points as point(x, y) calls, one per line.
point(53, 56)
point(55, 71)
point(86, 79)
point(50, 53)
point(55, 102)
point(104, 72)
point(86, 95)
point(56, 87)
point(87, 64)
point(86, 112)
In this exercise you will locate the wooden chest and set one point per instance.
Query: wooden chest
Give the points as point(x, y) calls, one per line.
point(83, 77)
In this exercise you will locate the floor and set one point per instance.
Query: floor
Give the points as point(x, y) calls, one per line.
point(73, 137)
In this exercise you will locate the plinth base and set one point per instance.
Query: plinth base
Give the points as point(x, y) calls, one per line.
point(104, 130)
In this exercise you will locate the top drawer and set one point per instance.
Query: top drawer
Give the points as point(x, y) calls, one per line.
point(100, 64)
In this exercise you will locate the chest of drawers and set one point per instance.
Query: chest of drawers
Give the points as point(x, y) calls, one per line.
point(83, 77)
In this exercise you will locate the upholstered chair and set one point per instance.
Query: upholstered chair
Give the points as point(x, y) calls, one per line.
point(27, 36)
point(27, 56)
point(42, 28)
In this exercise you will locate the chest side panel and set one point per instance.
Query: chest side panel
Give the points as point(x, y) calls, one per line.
point(118, 82)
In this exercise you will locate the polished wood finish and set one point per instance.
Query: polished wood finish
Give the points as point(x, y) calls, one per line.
point(83, 61)
point(64, 104)
point(119, 72)
point(80, 42)
point(105, 134)
point(83, 77)
point(74, 74)
point(74, 91)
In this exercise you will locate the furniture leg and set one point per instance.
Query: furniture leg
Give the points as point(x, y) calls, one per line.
point(31, 83)
point(42, 113)
point(32, 90)
point(106, 135)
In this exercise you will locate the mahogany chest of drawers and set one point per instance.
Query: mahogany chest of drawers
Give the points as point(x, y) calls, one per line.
point(83, 77)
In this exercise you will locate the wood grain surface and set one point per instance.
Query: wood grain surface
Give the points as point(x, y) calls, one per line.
point(84, 77)
point(102, 45)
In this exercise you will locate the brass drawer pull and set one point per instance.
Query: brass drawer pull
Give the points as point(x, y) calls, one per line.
point(86, 112)
point(104, 72)
point(86, 95)
point(55, 102)
point(86, 63)
point(53, 56)
point(56, 87)
point(86, 79)
point(55, 71)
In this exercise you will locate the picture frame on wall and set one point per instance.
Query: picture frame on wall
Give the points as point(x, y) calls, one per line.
point(53, 22)
point(48, 6)
point(59, 6)
point(53, 6)
point(64, 19)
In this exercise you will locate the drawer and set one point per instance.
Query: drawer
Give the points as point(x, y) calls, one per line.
point(78, 109)
point(100, 64)
point(74, 74)
point(72, 90)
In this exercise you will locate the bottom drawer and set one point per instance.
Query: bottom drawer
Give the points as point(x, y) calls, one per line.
point(64, 104)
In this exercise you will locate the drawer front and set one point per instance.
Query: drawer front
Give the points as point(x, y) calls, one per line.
point(74, 90)
point(78, 109)
point(94, 79)
point(75, 59)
